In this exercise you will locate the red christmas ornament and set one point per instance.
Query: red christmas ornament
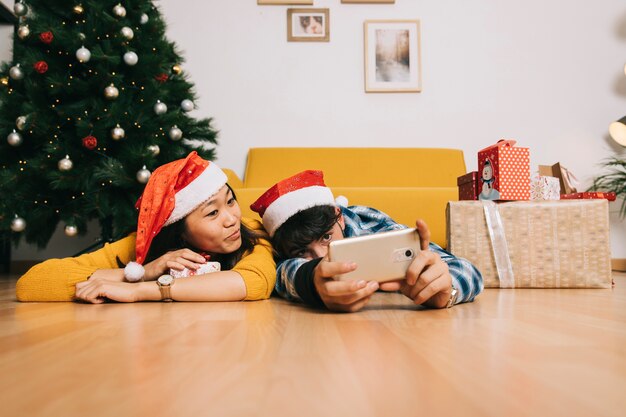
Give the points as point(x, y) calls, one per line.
point(90, 142)
point(161, 78)
point(46, 37)
point(41, 67)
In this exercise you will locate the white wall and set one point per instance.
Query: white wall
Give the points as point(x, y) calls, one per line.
point(548, 74)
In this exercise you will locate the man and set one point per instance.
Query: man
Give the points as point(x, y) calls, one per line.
point(302, 218)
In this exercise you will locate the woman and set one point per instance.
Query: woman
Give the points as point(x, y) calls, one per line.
point(187, 213)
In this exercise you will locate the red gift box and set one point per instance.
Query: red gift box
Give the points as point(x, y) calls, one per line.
point(576, 196)
point(504, 171)
point(468, 186)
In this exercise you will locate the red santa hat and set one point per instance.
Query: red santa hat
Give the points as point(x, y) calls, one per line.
point(290, 196)
point(173, 191)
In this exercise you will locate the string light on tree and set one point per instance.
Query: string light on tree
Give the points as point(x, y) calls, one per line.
point(14, 138)
point(111, 92)
point(187, 105)
point(143, 175)
point(160, 108)
point(131, 58)
point(117, 133)
point(83, 54)
point(18, 224)
point(119, 11)
point(65, 164)
point(127, 32)
point(16, 72)
point(71, 230)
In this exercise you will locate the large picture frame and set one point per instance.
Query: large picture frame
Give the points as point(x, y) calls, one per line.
point(392, 56)
point(284, 2)
point(308, 25)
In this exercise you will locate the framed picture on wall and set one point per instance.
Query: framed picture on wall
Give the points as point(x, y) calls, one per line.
point(368, 1)
point(392, 56)
point(274, 2)
point(308, 25)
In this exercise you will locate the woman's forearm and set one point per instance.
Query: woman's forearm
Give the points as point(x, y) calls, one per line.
point(217, 286)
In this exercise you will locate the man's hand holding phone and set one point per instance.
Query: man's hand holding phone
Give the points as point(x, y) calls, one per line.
point(347, 296)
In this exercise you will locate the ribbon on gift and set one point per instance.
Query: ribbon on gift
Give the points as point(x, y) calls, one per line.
point(498, 244)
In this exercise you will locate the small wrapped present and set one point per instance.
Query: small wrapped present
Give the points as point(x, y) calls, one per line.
point(468, 186)
point(567, 180)
point(533, 244)
point(504, 171)
point(544, 188)
point(589, 195)
point(204, 269)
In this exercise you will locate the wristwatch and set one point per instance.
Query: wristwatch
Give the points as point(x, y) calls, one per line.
point(453, 295)
point(165, 283)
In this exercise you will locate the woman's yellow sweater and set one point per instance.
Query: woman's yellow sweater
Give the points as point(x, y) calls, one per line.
point(55, 279)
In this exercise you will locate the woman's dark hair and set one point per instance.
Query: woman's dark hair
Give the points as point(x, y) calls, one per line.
point(303, 228)
point(171, 238)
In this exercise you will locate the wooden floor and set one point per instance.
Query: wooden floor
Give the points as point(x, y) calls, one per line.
point(510, 353)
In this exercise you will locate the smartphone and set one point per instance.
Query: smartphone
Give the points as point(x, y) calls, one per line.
point(379, 257)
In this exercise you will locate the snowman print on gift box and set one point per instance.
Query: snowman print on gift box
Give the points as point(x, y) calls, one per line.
point(487, 178)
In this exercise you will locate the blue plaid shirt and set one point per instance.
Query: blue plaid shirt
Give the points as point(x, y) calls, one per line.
point(361, 221)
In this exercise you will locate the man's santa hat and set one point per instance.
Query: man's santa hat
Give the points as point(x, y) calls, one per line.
point(173, 191)
point(290, 196)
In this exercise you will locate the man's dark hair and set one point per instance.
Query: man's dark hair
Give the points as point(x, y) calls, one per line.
point(303, 228)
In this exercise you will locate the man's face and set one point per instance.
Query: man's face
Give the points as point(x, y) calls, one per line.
point(319, 248)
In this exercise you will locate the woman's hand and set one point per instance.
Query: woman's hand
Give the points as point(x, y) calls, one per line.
point(178, 260)
point(98, 291)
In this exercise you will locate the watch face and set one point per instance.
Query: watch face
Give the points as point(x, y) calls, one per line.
point(166, 280)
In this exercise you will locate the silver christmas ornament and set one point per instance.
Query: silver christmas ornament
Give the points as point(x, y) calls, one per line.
point(18, 224)
point(14, 138)
point(143, 175)
point(65, 164)
point(127, 32)
point(160, 108)
point(111, 92)
point(119, 10)
point(117, 133)
point(176, 133)
point(144, 19)
point(83, 54)
point(187, 105)
point(20, 122)
point(71, 230)
point(23, 32)
point(131, 58)
point(16, 72)
point(154, 149)
point(20, 9)
point(81, 36)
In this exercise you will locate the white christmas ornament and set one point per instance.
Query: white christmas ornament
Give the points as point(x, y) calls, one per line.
point(14, 138)
point(144, 19)
point(117, 133)
point(127, 32)
point(175, 133)
point(131, 58)
point(71, 230)
point(16, 72)
point(143, 175)
point(187, 105)
point(83, 54)
point(18, 224)
point(119, 10)
point(20, 9)
point(111, 92)
point(160, 108)
point(20, 122)
point(154, 149)
point(23, 32)
point(65, 164)
point(81, 36)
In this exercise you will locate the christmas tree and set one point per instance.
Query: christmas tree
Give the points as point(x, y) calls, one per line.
point(93, 101)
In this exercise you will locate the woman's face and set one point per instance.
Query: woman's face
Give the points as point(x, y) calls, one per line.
point(214, 227)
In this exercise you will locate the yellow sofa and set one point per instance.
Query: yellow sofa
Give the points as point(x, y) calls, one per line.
point(405, 183)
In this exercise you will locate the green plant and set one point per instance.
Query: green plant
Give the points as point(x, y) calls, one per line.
point(614, 180)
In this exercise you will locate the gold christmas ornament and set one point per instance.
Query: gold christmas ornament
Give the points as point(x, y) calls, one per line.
point(18, 224)
point(78, 9)
point(23, 32)
point(4, 81)
point(176, 69)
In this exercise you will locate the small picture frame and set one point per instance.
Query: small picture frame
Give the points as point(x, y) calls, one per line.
point(392, 56)
point(284, 2)
point(368, 1)
point(308, 25)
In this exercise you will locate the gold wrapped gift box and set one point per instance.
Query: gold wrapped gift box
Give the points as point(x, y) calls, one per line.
point(545, 244)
